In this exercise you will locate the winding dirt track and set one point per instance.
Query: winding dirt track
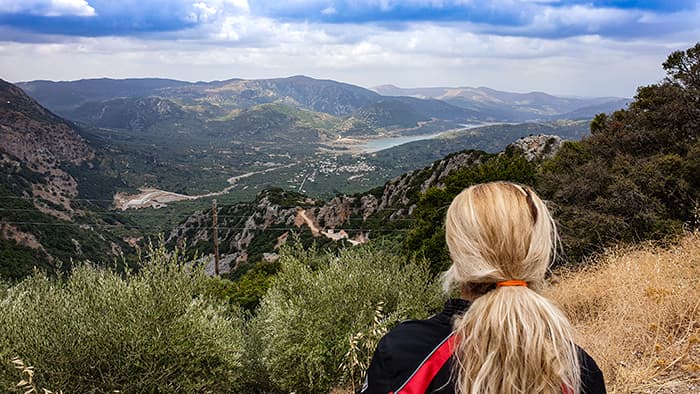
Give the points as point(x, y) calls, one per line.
point(156, 198)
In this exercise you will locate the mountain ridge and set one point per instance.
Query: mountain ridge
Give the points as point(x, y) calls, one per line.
point(517, 106)
point(321, 95)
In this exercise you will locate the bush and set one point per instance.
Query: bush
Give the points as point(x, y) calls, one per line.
point(320, 321)
point(247, 290)
point(97, 331)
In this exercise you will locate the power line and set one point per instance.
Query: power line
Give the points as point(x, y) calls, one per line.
point(40, 198)
point(147, 211)
point(199, 228)
point(137, 209)
point(112, 213)
point(203, 216)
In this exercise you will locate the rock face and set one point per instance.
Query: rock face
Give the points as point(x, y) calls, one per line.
point(34, 139)
point(538, 147)
point(29, 127)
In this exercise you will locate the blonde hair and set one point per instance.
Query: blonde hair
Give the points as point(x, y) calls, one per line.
point(511, 340)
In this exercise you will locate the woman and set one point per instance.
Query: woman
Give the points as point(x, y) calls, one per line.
point(501, 336)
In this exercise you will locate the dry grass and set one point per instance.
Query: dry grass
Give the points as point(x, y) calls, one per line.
point(637, 312)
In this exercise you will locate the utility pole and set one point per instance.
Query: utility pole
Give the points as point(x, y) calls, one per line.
point(216, 237)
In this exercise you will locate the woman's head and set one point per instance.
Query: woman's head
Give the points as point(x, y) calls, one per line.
point(499, 231)
point(511, 340)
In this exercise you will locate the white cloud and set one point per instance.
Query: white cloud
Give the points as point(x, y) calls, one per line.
point(330, 10)
point(202, 13)
point(421, 55)
point(47, 7)
point(590, 18)
point(232, 43)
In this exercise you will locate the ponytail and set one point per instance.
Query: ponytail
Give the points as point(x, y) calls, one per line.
point(512, 340)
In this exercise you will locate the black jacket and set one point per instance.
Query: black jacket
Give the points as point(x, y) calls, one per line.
point(405, 347)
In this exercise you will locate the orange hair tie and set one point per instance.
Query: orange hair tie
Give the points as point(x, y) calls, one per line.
point(511, 283)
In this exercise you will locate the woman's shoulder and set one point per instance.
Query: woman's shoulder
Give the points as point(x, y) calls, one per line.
point(414, 335)
point(402, 350)
point(592, 381)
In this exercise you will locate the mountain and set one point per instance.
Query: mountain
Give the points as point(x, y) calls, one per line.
point(66, 95)
point(327, 96)
point(413, 115)
point(48, 169)
point(508, 106)
point(386, 106)
point(126, 113)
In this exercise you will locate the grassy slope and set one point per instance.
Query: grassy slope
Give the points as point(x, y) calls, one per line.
point(637, 313)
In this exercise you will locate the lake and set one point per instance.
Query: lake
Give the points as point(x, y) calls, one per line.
point(390, 142)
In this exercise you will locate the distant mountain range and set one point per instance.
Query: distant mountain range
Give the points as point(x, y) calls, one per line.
point(385, 106)
point(191, 137)
point(512, 106)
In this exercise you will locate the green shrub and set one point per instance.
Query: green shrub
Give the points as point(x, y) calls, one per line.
point(97, 331)
point(320, 313)
point(245, 291)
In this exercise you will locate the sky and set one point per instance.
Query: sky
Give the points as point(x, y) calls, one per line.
point(565, 47)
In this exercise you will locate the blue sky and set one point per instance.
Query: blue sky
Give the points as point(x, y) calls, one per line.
point(578, 47)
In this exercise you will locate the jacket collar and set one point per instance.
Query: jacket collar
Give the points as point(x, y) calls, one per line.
point(453, 307)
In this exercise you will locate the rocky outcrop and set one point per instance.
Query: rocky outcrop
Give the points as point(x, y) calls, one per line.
point(42, 160)
point(538, 147)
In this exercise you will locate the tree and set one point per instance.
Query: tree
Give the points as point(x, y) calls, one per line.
point(683, 68)
point(635, 177)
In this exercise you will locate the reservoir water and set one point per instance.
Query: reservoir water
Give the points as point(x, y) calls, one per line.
point(390, 142)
